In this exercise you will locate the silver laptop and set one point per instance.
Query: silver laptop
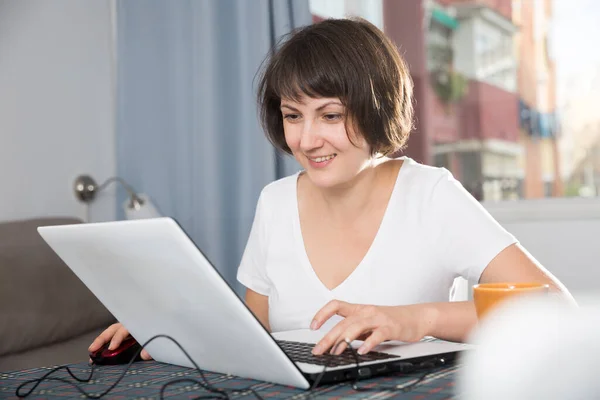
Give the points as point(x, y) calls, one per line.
point(152, 277)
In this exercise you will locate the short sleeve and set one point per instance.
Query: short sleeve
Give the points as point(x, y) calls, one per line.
point(252, 272)
point(468, 237)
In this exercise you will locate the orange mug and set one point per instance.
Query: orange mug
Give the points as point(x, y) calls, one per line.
point(488, 295)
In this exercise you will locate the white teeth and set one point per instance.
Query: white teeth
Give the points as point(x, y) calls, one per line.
point(322, 159)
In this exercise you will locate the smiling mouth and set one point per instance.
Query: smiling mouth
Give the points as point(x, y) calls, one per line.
point(323, 158)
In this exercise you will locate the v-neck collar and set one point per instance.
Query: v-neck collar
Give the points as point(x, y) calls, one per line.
point(301, 248)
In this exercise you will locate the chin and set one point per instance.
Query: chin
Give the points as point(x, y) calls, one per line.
point(324, 179)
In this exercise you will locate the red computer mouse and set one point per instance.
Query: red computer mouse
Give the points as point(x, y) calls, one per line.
point(121, 355)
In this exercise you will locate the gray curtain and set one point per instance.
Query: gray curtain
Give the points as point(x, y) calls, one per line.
point(187, 128)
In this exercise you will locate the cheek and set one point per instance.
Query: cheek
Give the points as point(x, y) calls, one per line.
point(292, 139)
point(339, 138)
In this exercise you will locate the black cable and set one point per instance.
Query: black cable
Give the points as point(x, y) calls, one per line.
point(396, 388)
point(217, 393)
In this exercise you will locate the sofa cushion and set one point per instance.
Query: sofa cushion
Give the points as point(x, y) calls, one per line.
point(41, 300)
point(68, 352)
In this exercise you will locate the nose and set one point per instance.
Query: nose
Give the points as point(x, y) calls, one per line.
point(311, 138)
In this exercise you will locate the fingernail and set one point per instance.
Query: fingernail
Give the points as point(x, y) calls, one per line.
point(313, 325)
point(111, 346)
point(145, 354)
point(362, 350)
point(90, 348)
point(317, 349)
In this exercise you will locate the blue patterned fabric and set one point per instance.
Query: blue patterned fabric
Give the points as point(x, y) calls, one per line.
point(145, 379)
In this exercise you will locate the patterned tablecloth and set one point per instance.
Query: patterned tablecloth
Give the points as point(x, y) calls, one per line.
point(145, 379)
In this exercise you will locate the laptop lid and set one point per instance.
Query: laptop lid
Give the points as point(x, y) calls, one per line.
point(153, 279)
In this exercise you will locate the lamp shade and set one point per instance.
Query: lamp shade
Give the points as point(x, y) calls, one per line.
point(142, 211)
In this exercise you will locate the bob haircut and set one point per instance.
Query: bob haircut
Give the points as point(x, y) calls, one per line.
point(348, 59)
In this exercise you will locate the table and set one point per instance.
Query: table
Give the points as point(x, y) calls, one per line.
point(145, 379)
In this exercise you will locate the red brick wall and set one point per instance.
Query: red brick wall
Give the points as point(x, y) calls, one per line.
point(527, 78)
point(498, 112)
point(403, 24)
point(486, 112)
point(445, 119)
point(534, 185)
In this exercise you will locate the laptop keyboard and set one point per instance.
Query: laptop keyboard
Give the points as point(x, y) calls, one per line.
point(302, 352)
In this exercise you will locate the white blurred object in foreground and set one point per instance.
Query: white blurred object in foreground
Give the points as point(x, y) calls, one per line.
point(537, 348)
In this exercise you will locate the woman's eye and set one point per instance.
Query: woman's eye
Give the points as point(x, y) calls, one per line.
point(332, 117)
point(291, 117)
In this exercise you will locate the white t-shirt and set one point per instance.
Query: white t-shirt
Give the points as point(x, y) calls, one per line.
point(432, 231)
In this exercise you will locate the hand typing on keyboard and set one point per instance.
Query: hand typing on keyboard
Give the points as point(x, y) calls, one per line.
point(373, 324)
point(302, 352)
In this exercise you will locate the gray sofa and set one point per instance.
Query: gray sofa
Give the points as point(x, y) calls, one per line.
point(47, 316)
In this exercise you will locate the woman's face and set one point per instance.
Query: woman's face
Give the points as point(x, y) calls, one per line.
point(315, 132)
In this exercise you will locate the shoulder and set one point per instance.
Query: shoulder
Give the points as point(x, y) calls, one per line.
point(420, 180)
point(430, 193)
point(280, 189)
point(277, 198)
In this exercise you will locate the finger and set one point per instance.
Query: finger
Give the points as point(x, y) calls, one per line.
point(360, 328)
point(119, 336)
point(145, 355)
point(104, 337)
point(329, 310)
point(378, 336)
point(332, 337)
point(340, 346)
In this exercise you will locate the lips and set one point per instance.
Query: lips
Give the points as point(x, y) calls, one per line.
point(321, 159)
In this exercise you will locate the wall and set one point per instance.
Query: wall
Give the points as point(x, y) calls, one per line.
point(524, 41)
point(404, 25)
point(445, 118)
point(56, 108)
point(497, 110)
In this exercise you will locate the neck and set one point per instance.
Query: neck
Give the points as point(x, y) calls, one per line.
point(345, 202)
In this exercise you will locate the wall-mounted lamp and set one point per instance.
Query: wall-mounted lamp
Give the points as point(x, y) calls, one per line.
point(138, 206)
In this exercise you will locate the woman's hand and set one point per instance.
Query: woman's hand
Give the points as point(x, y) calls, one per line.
point(373, 324)
point(115, 333)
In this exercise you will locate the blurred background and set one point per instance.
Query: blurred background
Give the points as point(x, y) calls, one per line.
point(122, 109)
point(160, 94)
point(506, 96)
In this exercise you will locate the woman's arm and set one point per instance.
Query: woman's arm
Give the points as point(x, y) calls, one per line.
point(259, 305)
point(515, 264)
point(454, 321)
point(451, 321)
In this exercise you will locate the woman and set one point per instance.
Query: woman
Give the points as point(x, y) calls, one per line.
point(374, 239)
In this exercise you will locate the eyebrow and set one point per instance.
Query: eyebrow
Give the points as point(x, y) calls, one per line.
point(337, 103)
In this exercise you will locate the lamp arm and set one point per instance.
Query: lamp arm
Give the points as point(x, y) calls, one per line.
point(132, 194)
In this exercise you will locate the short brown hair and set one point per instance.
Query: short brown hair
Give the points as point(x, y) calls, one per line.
point(350, 59)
